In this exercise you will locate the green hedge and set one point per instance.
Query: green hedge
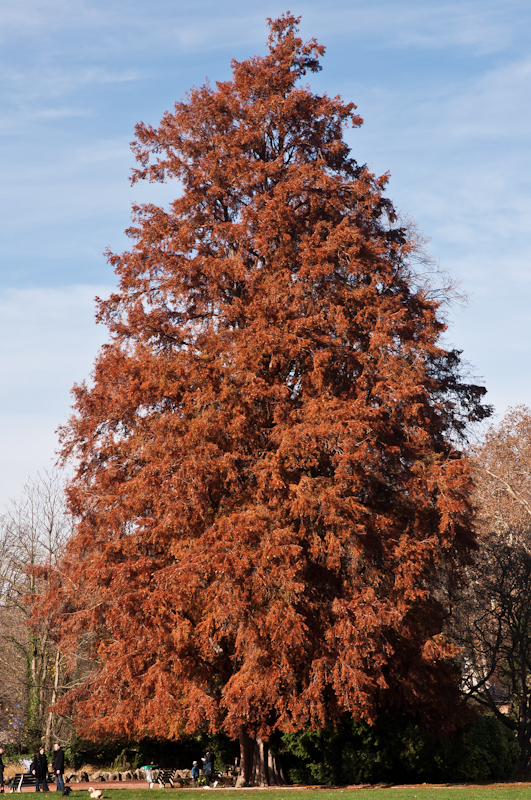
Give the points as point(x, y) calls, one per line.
point(399, 750)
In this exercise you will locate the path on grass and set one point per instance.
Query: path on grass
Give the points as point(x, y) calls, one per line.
point(412, 791)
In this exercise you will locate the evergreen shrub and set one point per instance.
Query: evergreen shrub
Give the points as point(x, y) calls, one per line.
point(399, 750)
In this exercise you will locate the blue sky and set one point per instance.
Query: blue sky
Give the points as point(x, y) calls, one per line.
point(445, 92)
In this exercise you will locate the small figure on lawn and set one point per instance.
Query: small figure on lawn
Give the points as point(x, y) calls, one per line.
point(195, 773)
point(39, 768)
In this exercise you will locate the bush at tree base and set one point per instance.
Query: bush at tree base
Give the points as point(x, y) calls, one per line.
point(488, 750)
point(399, 750)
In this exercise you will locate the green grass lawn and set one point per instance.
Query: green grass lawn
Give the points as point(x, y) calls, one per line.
point(491, 792)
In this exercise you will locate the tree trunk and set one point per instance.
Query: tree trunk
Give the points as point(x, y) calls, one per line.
point(258, 765)
point(274, 767)
point(49, 722)
point(32, 727)
point(521, 764)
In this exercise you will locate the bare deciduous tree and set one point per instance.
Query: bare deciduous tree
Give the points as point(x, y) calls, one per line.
point(492, 620)
point(33, 532)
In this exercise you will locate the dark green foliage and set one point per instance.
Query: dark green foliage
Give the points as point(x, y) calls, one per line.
point(399, 750)
point(489, 750)
point(12, 750)
point(390, 751)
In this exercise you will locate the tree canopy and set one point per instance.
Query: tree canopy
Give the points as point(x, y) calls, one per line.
point(269, 491)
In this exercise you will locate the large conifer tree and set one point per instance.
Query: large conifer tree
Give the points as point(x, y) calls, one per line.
point(269, 492)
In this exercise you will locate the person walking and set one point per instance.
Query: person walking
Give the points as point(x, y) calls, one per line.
point(39, 768)
point(58, 767)
point(208, 766)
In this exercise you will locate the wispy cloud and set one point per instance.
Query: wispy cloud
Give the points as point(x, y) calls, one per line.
point(491, 105)
point(49, 341)
point(483, 25)
point(479, 26)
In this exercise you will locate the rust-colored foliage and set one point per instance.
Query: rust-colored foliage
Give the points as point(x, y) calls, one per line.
point(267, 486)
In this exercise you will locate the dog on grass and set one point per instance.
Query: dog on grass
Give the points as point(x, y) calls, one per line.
point(66, 791)
point(95, 794)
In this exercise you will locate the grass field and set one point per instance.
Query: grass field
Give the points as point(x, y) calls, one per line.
point(461, 792)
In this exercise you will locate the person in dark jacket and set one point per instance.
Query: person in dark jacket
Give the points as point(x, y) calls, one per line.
point(58, 767)
point(39, 768)
point(1, 771)
point(208, 766)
